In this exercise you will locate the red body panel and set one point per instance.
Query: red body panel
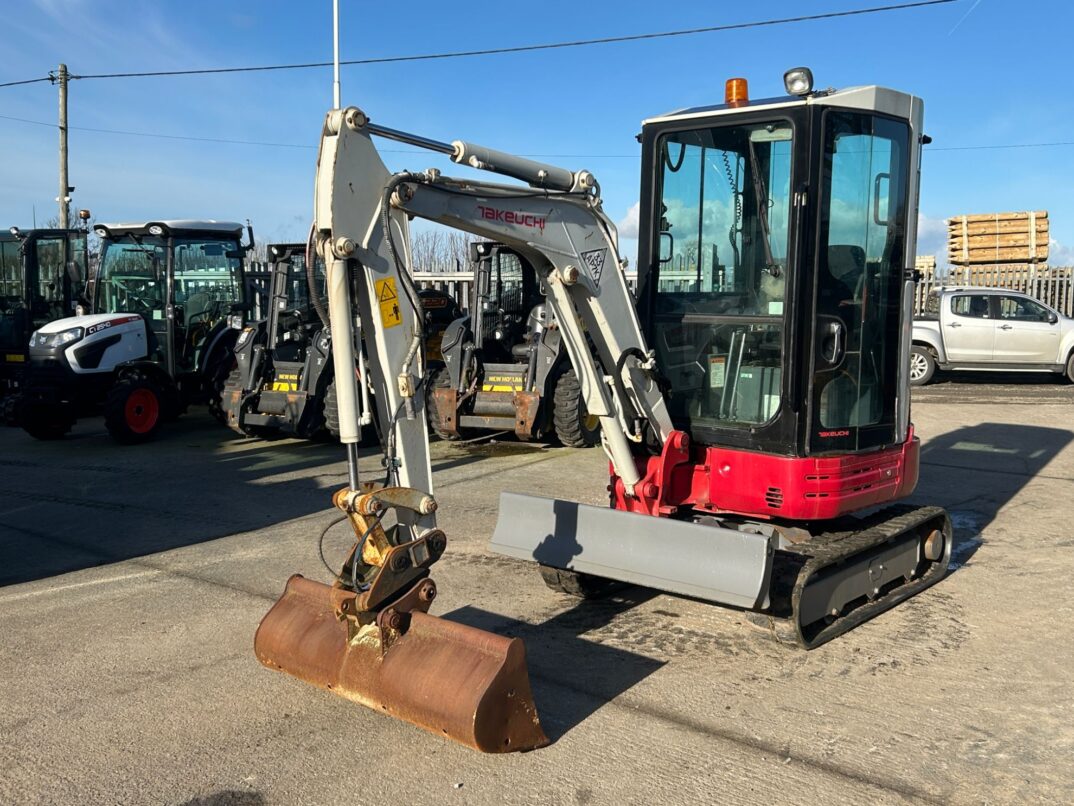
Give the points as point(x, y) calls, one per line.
point(722, 480)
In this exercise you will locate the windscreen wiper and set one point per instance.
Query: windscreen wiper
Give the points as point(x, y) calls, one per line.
point(761, 192)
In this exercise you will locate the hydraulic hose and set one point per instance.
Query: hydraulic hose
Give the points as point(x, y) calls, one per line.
point(621, 392)
point(311, 279)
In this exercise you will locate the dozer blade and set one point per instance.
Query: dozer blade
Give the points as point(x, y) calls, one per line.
point(450, 679)
point(847, 578)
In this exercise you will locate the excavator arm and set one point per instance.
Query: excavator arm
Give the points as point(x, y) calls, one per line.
point(368, 636)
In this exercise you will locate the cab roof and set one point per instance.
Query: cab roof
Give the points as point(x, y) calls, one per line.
point(881, 99)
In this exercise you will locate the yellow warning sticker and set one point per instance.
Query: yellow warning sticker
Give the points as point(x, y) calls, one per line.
point(388, 299)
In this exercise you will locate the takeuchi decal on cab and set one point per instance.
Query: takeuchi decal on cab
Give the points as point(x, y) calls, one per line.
point(511, 217)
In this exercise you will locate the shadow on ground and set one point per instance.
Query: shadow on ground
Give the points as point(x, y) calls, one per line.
point(572, 677)
point(976, 471)
point(87, 501)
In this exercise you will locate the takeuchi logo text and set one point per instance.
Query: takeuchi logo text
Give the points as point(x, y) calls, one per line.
point(511, 217)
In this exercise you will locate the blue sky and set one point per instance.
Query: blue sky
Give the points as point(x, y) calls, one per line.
point(992, 72)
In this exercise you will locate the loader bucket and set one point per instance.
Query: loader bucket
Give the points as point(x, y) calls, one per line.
point(450, 679)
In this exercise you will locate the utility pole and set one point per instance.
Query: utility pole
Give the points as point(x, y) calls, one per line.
point(335, 54)
point(63, 198)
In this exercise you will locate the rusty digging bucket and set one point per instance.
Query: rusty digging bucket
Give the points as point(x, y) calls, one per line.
point(452, 680)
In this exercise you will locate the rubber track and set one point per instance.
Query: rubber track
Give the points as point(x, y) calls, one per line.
point(836, 547)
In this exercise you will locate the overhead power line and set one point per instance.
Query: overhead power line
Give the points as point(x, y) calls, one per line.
point(163, 136)
point(25, 81)
point(609, 40)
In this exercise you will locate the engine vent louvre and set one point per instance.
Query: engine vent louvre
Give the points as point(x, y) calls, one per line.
point(774, 497)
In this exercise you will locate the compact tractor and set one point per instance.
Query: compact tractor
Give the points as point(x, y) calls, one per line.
point(168, 302)
point(754, 406)
point(43, 276)
point(505, 366)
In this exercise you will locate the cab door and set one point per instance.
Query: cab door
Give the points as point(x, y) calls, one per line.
point(859, 275)
point(969, 329)
point(1026, 331)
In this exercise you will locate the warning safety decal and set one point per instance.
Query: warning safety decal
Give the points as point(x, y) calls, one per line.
point(388, 299)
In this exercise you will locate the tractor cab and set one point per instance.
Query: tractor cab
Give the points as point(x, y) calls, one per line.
point(169, 302)
point(185, 278)
point(42, 278)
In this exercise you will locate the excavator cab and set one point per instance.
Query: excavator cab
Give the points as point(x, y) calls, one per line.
point(773, 284)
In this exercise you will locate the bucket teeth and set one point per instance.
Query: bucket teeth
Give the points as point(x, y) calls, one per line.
point(450, 679)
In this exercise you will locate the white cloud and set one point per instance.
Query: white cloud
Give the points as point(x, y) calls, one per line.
point(1060, 255)
point(628, 227)
point(932, 238)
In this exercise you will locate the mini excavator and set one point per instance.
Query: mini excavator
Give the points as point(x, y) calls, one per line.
point(753, 400)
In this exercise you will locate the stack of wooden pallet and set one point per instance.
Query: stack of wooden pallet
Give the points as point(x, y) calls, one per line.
point(994, 238)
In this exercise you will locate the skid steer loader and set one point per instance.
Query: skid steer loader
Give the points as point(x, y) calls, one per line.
point(283, 364)
point(43, 275)
point(505, 366)
point(283, 381)
point(168, 306)
point(754, 406)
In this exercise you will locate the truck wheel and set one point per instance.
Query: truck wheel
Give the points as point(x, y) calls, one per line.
point(45, 422)
point(575, 583)
point(133, 409)
point(1070, 368)
point(922, 365)
point(575, 427)
point(438, 379)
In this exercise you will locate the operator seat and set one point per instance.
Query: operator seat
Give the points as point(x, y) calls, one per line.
point(846, 264)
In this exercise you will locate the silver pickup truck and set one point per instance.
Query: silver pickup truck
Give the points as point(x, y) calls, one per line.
point(991, 330)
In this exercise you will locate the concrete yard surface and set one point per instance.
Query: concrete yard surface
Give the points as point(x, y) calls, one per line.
point(133, 579)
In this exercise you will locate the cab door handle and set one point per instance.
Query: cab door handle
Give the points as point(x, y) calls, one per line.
point(954, 324)
point(1005, 327)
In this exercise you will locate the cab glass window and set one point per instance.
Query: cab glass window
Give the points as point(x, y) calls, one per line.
point(973, 306)
point(723, 230)
point(1020, 309)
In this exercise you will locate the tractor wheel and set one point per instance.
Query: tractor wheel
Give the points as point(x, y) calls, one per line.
point(316, 416)
point(922, 365)
point(134, 409)
point(575, 427)
point(331, 410)
point(43, 421)
point(369, 436)
point(9, 410)
point(439, 378)
point(575, 583)
point(217, 384)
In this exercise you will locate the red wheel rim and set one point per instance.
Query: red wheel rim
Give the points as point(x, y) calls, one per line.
point(142, 411)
